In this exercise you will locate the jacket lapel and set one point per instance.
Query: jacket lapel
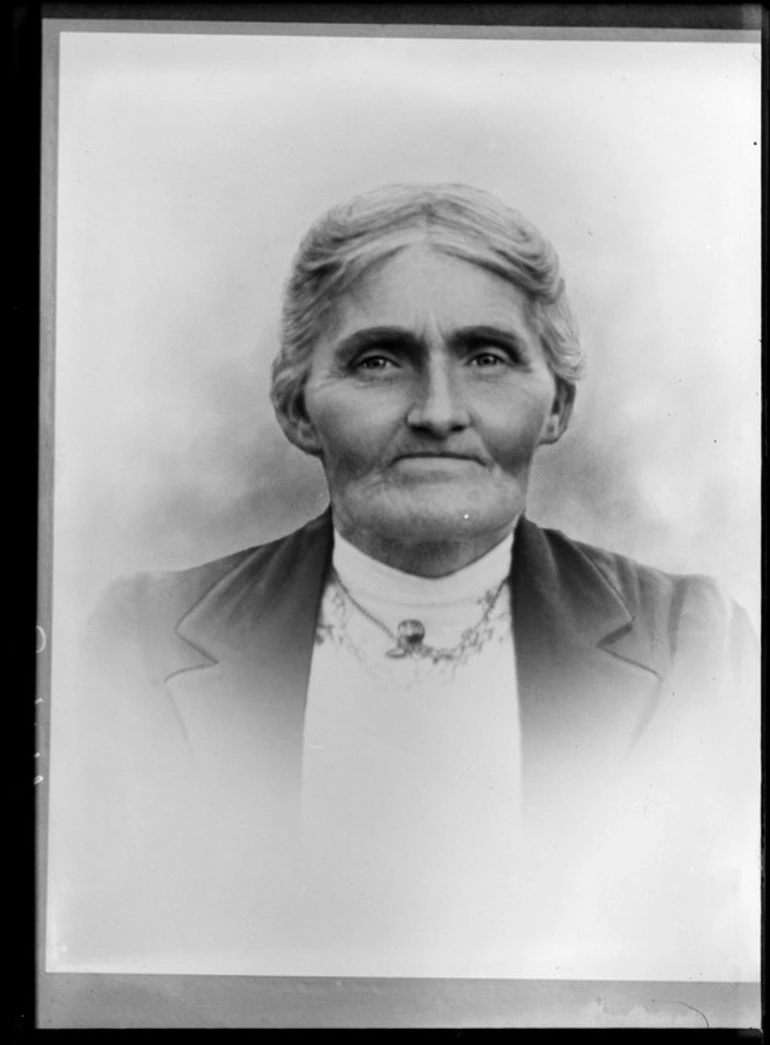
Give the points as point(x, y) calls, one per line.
point(587, 672)
point(242, 691)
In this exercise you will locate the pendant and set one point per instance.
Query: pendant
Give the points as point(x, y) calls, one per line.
point(409, 638)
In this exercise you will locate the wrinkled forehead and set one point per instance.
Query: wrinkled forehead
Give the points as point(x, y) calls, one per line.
point(410, 269)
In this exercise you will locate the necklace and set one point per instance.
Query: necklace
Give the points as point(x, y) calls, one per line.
point(410, 633)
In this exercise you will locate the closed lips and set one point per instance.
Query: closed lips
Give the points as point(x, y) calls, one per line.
point(438, 457)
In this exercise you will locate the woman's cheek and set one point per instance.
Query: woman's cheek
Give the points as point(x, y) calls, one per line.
point(512, 445)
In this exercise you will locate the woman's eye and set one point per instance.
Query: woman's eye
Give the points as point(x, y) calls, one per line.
point(488, 360)
point(374, 363)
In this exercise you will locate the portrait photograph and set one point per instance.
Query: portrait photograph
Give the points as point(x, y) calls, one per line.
point(403, 385)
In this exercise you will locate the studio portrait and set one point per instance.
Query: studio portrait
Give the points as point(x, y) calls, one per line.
point(405, 567)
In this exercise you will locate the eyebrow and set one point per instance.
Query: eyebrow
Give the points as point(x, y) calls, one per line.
point(401, 337)
point(513, 337)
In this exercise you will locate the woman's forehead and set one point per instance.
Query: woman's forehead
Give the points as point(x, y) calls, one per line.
point(422, 282)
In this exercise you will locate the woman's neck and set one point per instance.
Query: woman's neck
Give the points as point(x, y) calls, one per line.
point(425, 558)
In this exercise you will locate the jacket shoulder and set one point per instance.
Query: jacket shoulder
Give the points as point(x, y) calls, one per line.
point(678, 608)
point(151, 602)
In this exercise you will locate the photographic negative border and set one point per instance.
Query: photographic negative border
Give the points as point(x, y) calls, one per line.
point(116, 1000)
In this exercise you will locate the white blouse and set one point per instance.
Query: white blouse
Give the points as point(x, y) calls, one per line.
point(411, 764)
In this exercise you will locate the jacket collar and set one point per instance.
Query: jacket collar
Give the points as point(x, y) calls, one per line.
point(562, 601)
point(266, 607)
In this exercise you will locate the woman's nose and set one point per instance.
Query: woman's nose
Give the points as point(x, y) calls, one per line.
point(439, 404)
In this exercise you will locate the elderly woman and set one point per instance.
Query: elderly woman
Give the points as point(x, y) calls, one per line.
point(388, 727)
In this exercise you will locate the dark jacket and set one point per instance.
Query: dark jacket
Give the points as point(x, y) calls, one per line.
point(197, 683)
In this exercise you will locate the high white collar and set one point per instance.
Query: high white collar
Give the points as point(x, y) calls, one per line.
point(372, 581)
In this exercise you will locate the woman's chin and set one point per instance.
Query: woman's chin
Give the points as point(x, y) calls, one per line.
point(434, 519)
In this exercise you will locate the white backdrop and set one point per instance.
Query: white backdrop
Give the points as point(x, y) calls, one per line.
point(189, 166)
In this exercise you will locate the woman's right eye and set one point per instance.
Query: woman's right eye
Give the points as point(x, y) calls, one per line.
point(374, 363)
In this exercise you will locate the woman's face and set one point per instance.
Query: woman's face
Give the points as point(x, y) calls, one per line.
point(426, 400)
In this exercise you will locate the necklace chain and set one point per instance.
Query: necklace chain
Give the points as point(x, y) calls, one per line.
point(410, 633)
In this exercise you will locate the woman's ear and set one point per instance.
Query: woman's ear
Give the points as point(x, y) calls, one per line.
point(561, 411)
point(297, 426)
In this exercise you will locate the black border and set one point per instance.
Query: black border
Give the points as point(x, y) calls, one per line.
point(25, 94)
point(653, 16)
point(22, 489)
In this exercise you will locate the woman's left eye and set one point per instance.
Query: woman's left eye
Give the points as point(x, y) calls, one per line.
point(487, 360)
